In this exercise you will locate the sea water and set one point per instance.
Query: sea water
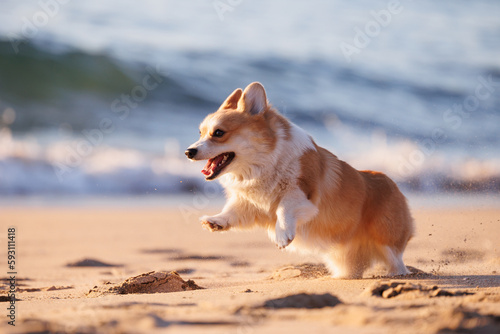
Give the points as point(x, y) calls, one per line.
point(103, 97)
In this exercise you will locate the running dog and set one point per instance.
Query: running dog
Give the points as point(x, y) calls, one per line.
point(276, 177)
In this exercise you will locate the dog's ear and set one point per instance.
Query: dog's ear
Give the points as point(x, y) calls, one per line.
point(254, 99)
point(232, 100)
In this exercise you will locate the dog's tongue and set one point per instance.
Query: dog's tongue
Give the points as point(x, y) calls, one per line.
point(212, 164)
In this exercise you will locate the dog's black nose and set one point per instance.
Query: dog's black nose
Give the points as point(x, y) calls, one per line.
point(191, 152)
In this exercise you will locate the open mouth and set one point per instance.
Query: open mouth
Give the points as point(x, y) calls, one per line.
point(215, 165)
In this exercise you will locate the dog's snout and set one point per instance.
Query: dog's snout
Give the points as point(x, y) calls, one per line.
point(191, 152)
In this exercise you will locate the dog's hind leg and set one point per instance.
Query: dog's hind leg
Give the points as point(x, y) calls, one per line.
point(394, 262)
point(348, 262)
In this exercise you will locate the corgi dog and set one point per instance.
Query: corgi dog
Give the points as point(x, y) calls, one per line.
point(276, 177)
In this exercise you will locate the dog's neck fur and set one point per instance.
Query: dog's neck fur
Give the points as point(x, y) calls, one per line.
point(279, 168)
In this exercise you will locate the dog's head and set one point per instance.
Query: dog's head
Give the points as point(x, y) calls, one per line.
point(236, 135)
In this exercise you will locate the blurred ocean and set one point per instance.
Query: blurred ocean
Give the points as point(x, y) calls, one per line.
point(102, 97)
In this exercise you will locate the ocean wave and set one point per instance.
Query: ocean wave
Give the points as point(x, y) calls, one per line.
point(52, 100)
point(27, 168)
point(40, 74)
point(47, 85)
point(43, 73)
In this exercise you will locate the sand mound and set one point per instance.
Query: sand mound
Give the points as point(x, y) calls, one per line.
point(409, 290)
point(303, 300)
point(306, 270)
point(152, 282)
point(415, 273)
point(91, 263)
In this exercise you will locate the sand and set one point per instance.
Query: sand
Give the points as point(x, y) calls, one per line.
point(72, 264)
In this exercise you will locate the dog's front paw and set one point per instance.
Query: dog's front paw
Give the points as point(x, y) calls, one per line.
point(283, 237)
point(214, 224)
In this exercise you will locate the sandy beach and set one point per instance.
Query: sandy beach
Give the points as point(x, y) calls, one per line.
point(248, 285)
point(100, 206)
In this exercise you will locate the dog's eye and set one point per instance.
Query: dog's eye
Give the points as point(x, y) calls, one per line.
point(218, 133)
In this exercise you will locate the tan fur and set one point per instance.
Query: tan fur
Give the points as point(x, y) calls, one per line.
point(231, 121)
point(301, 193)
point(367, 207)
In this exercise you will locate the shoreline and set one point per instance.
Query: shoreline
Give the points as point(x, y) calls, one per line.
point(417, 201)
